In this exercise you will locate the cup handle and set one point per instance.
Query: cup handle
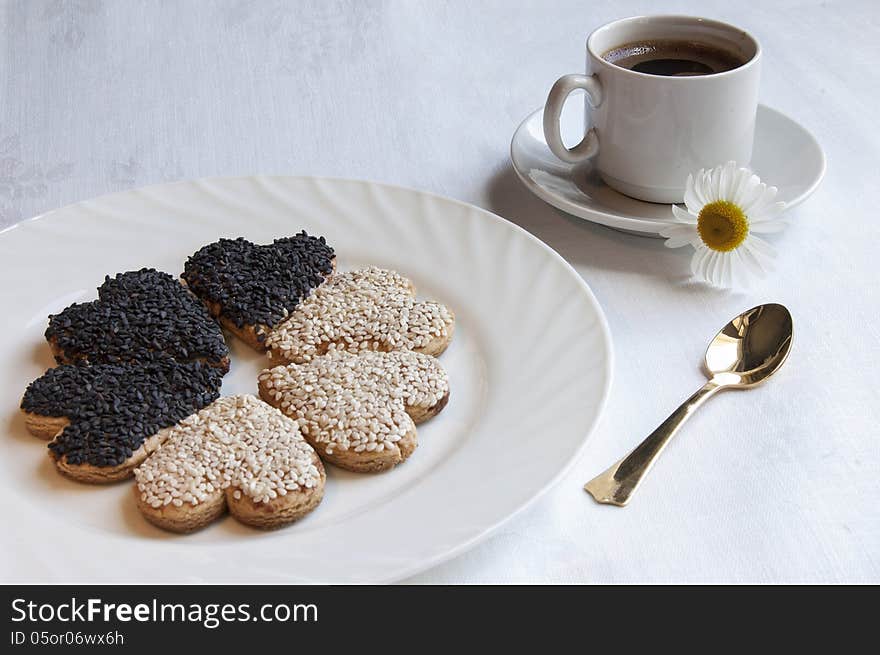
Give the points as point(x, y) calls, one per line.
point(589, 145)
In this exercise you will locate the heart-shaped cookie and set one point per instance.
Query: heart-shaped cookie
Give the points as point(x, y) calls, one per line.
point(104, 419)
point(237, 453)
point(359, 411)
point(357, 311)
point(138, 316)
point(250, 287)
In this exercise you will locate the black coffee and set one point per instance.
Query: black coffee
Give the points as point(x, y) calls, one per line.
point(675, 58)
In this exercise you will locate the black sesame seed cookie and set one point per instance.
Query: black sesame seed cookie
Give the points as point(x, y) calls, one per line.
point(251, 288)
point(138, 316)
point(105, 419)
point(237, 454)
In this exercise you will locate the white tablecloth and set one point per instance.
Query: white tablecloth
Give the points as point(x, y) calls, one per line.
point(779, 484)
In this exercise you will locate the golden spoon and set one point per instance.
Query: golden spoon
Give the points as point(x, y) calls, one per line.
point(746, 352)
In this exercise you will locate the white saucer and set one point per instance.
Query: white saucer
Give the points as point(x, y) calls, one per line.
point(785, 155)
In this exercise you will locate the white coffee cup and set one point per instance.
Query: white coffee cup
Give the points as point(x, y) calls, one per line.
point(648, 132)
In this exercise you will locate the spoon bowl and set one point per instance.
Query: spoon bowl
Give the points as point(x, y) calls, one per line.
point(751, 347)
point(747, 351)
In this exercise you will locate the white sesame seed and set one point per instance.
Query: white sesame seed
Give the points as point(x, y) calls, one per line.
point(237, 441)
point(358, 402)
point(367, 309)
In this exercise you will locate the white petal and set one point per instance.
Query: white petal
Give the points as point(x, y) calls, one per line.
point(697, 260)
point(727, 270)
point(720, 275)
point(714, 271)
point(768, 226)
point(751, 261)
point(717, 174)
point(671, 229)
point(677, 242)
point(770, 213)
point(691, 199)
point(743, 177)
point(704, 266)
point(764, 201)
point(726, 179)
point(714, 185)
point(751, 191)
point(701, 263)
point(739, 273)
point(754, 198)
point(720, 264)
point(700, 189)
point(676, 237)
point(760, 247)
point(746, 269)
point(684, 216)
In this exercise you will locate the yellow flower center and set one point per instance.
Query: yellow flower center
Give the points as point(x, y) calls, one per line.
point(722, 225)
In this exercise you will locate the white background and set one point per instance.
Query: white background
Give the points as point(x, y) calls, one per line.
point(778, 484)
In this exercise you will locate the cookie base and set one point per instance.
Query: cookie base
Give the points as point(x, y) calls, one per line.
point(371, 462)
point(280, 511)
point(247, 334)
point(44, 427)
point(271, 515)
point(91, 474)
point(421, 414)
point(48, 427)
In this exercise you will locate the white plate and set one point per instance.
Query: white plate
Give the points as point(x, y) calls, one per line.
point(530, 370)
point(785, 155)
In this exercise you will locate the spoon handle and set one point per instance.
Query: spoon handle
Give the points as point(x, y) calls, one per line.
point(618, 483)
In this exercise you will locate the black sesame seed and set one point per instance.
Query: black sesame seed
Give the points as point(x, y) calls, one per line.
point(256, 285)
point(139, 315)
point(114, 408)
point(140, 358)
point(146, 354)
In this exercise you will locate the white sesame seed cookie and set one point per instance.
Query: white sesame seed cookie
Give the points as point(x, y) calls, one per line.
point(359, 411)
point(237, 453)
point(362, 310)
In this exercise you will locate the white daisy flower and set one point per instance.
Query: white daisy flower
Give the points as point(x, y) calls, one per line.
point(725, 209)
